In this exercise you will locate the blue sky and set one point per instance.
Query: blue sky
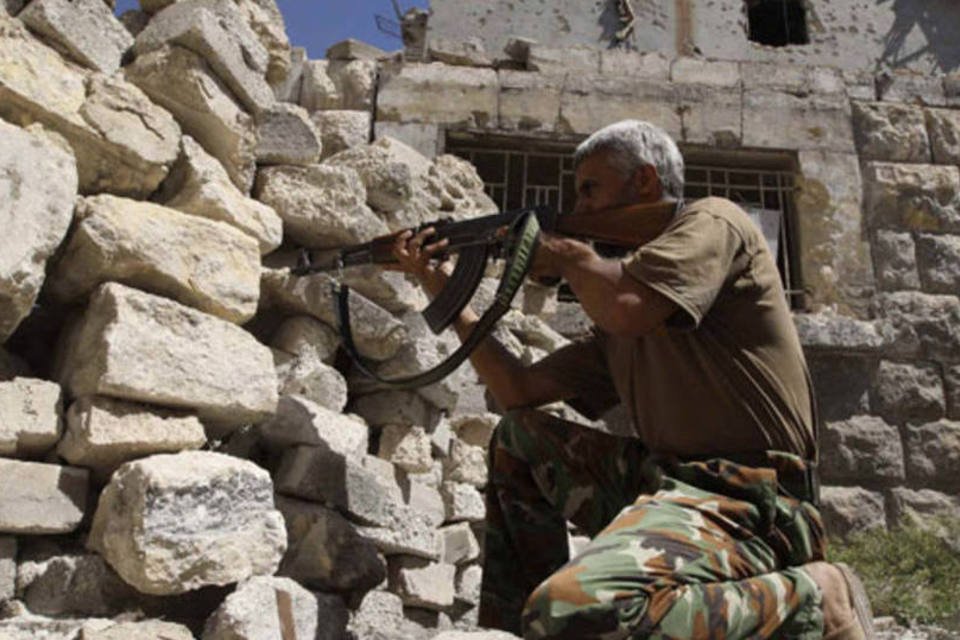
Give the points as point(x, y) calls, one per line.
point(316, 24)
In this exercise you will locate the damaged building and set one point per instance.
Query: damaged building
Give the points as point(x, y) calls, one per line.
point(163, 177)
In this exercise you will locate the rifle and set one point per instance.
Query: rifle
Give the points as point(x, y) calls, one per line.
point(512, 235)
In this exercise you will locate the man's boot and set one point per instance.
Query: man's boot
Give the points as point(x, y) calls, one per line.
point(846, 608)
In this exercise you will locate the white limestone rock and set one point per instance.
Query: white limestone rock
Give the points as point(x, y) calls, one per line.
point(172, 523)
point(355, 81)
point(341, 129)
point(475, 429)
point(286, 135)
point(464, 53)
point(123, 142)
point(305, 336)
point(103, 433)
point(406, 447)
point(462, 501)
point(912, 197)
point(422, 583)
point(30, 417)
point(299, 421)
point(468, 584)
point(318, 91)
point(891, 132)
point(466, 463)
point(265, 19)
point(42, 498)
point(311, 378)
point(423, 496)
point(140, 347)
point(8, 567)
point(380, 616)
point(377, 334)
point(262, 608)
point(396, 407)
point(199, 185)
point(460, 545)
point(944, 128)
point(140, 630)
point(321, 206)
point(848, 510)
point(202, 263)
point(410, 532)
point(85, 30)
point(326, 551)
point(217, 31)
point(182, 83)
point(38, 185)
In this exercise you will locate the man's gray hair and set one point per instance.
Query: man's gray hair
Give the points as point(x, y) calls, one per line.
point(633, 144)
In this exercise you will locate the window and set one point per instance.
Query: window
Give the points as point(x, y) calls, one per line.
point(777, 22)
point(520, 173)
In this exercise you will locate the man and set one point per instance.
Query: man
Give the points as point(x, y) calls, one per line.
point(693, 335)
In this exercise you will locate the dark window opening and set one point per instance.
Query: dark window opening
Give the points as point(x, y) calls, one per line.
point(778, 22)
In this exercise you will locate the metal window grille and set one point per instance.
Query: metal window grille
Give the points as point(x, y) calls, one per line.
point(516, 178)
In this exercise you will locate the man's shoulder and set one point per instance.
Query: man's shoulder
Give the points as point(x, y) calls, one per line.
point(717, 207)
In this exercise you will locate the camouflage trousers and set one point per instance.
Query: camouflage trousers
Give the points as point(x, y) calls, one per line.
point(709, 550)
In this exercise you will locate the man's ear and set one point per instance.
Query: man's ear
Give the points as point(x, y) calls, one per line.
point(647, 183)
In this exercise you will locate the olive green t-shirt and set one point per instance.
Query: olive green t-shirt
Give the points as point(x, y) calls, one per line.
point(726, 374)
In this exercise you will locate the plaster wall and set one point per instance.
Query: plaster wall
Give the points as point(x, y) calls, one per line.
point(853, 34)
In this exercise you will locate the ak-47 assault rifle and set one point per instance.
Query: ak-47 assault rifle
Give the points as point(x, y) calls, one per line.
point(512, 235)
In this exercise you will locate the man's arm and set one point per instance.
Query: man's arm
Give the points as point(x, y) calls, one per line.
point(617, 302)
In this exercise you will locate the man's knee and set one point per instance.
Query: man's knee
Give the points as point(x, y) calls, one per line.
point(572, 604)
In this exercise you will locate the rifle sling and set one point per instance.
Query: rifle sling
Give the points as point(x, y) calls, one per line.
point(524, 237)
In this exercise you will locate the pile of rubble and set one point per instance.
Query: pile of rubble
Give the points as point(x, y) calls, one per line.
point(188, 454)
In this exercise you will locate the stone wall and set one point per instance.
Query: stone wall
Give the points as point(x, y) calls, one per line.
point(849, 34)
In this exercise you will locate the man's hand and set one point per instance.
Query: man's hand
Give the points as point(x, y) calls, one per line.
point(423, 260)
point(556, 254)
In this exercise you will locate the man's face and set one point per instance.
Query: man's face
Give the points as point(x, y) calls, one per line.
point(601, 185)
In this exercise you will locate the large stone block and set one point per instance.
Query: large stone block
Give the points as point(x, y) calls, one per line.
point(304, 336)
point(465, 53)
point(944, 128)
point(912, 197)
point(199, 185)
point(862, 449)
point(182, 83)
point(421, 583)
point(529, 101)
point(849, 510)
point(933, 454)
point(123, 142)
point(411, 533)
point(911, 392)
point(321, 206)
point(42, 498)
point(466, 463)
point(103, 433)
point(924, 325)
point(299, 421)
point(342, 129)
point(216, 31)
point(589, 102)
point(265, 19)
point(396, 407)
point(38, 184)
point(356, 82)
point(378, 335)
point(895, 261)
point(427, 139)
point(828, 206)
point(202, 263)
point(94, 588)
point(460, 545)
point(141, 347)
point(322, 475)
point(407, 447)
point(437, 93)
point(30, 417)
point(327, 552)
point(462, 501)
point(938, 261)
point(264, 608)
point(891, 132)
point(831, 332)
point(782, 119)
point(842, 385)
point(318, 92)
point(311, 378)
point(172, 523)
point(924, 507)
point(286, 135)
point(85, 30)
point(475, 429)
